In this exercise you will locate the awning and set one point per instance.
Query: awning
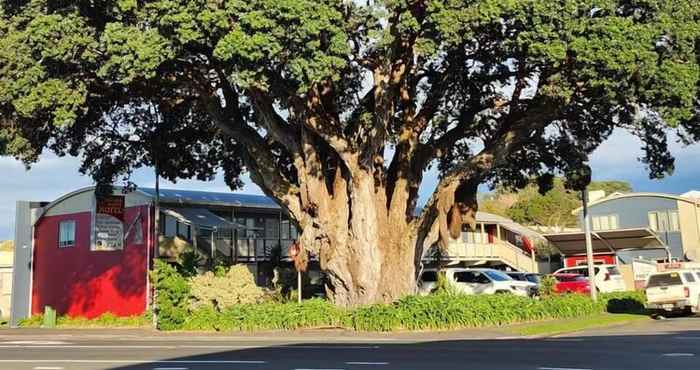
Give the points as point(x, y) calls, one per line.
point(609, 241)
point(201, 217)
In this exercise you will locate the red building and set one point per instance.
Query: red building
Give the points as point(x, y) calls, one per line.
point(91, 257)
point(86, 256)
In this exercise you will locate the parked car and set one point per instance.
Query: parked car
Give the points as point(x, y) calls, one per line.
point(525, 276)
point(674, 292)
point(607, 277)
point(571, 283)
point(477, 281)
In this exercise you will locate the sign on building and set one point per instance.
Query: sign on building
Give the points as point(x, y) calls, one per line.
point(109, 223)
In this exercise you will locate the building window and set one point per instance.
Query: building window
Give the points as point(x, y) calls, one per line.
point(664, 221)
point(606, 222)
point(66, 234)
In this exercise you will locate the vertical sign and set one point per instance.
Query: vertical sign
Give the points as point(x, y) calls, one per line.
point(109, 223)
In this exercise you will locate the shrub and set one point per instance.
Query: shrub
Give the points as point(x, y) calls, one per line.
point(547, 285)
point(224, 288)
point(312, 313)
point(107, 320)
point(624, 302)
point(172, 296)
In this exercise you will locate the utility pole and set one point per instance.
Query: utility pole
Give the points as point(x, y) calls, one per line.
point(589, 244)
point(156, 233)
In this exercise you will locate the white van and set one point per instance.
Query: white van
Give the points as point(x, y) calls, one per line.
point(674, 292)
point(476, 281)
point(607, 277)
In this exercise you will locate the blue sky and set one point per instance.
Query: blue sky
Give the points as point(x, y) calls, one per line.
point(52, 177)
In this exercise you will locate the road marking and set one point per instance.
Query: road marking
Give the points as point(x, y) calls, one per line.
point(48, 368)
point(35, 342)
point(561, 368)
point(198, 346)
point(366, 363)
point(678, 355)
point(134, 362)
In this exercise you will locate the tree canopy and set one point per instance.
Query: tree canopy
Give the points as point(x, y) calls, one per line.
point(336, 108)
point(552, 209)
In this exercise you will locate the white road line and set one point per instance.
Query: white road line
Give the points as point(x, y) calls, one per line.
point(134, 362)
point(366, 363)
point(78, 346)
point(561, 368)
point(678, 355)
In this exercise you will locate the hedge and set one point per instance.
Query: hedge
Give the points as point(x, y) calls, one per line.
point(434, 312)
point(440, 311)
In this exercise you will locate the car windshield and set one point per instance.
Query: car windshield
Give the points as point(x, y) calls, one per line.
point(497, 276)
point(516, 276)
point(672, 278)
point(429, 276)
point(533, 278)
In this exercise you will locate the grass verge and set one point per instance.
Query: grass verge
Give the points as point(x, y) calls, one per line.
point(552, 327)
point(107, 320)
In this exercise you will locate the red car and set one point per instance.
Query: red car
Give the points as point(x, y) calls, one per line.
point(571, 283)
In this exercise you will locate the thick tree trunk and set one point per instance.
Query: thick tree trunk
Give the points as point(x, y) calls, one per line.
point(367, 254)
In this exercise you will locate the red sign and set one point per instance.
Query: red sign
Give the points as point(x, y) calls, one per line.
point(112, 205)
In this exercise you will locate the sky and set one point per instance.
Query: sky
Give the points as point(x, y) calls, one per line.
point(51, 177)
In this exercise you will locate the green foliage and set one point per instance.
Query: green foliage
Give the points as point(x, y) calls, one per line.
point(311, 313)
point(107, 320)
point(172, 295)
point(553, 208)
point(625, 302)
point(225, 287)
point(547, 285)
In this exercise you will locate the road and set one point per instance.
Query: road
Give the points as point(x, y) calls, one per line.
point(662, 345)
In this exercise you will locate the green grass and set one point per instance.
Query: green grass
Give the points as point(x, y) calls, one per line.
point(107, 320)
point(553, 327)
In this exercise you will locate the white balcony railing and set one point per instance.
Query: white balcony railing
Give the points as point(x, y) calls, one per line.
point(500, 250)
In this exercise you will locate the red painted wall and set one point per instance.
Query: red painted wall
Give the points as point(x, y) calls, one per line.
point(79, 282)
point(607, 259)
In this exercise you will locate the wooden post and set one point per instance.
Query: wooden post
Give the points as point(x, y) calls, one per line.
point(299, 285)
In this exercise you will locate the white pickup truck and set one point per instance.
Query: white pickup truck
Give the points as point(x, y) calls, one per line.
point(675, 291)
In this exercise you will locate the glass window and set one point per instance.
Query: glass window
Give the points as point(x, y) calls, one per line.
point(653, 221)
point(689, 277)
point(170, 227)
point(138, 233)
point(272, 228)
point(673, 222)
point(6, 282)
point(66, 234)
point(613, 222)
point(663, 221)
point(497, 276)
point(672, 278)
point(604, 224)
point(293, 233)
point(429, 276)
point(284, 229)
point(464, 277)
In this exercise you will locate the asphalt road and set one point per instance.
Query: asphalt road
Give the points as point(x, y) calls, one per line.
point(665, 345)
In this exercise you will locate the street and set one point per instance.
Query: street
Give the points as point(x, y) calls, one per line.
point(659, 345)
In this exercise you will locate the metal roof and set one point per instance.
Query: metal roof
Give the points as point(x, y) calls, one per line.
point(606, 241)
point(211, 198)
point(616, 195)
point(201, 217)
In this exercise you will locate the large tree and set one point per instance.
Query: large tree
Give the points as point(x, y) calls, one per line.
point(336, 108)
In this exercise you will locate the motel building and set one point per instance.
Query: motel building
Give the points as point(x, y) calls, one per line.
point(640, 232)
point(86, 256)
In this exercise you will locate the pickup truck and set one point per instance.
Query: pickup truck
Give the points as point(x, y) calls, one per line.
point(674, 292)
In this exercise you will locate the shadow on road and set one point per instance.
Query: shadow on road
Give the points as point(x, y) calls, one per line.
point(668, 351)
